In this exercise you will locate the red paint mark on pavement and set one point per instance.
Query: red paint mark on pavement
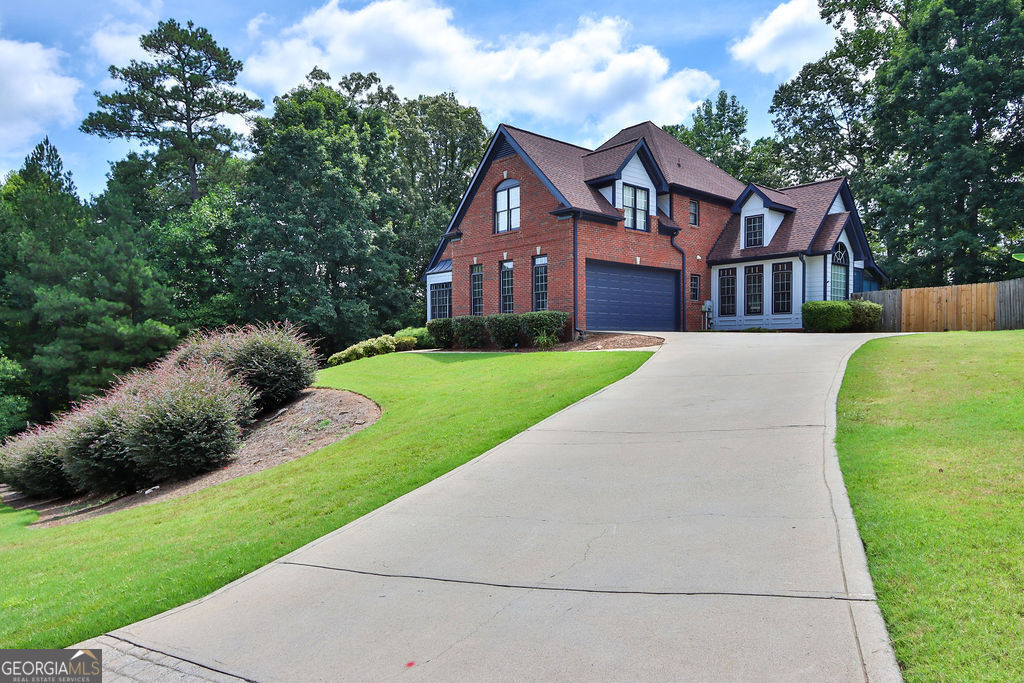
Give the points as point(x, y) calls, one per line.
point(408, 664)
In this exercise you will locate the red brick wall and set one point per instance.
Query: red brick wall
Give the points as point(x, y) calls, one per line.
point(539, 229)
point(543, 233)
point(697, 241)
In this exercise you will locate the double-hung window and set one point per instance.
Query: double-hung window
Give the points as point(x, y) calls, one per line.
point(727, 291)
point(476, 290)
point(505, 287)
point(694, 287)
point(753, 231)
point(540, 283)
point(441, 300)
point(506, 206)
point(635, 206)
point(840, 273)
point(753, 290)
point(694, 212)
point(782, 287)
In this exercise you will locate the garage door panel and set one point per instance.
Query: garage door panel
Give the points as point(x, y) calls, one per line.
point(628, 297)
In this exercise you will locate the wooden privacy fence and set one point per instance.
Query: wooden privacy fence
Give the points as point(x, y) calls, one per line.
point(983, 306)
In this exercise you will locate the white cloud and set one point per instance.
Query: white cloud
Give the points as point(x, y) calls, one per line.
point(252, 29)
point(117, 43)
point(37, 94)
point(591, 78)
point(792, 35)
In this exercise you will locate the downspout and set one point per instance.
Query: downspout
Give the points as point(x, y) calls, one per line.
point(683, 286)
point(803, 278)
point(576, 275)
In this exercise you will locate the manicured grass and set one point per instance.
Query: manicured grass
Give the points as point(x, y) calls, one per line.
point(931, 442)
point(62, 585)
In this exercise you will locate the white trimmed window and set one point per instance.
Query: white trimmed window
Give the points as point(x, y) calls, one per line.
point(753, 231)
point(506, 206)
point(635, 205)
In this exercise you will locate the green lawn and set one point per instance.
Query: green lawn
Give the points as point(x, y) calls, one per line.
point(931, 442)
point(62, 585)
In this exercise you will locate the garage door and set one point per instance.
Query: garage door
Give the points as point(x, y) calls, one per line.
point(624, 297)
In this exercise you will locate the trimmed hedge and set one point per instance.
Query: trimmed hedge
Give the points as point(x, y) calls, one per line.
point(33, 463)
point(443, 332)
point(424, 340)
point(470, 331)
point(867, 315)
point(541, 327)
point(276, 360)
point(827, 316)
point(504, 329)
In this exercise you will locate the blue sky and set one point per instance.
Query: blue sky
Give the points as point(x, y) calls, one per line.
point(573, 71)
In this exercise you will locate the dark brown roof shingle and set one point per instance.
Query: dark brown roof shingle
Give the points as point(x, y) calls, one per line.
point(798, 229)
point(680, 164)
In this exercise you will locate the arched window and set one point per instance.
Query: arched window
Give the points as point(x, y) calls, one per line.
point(506, 206)
point(840, 273)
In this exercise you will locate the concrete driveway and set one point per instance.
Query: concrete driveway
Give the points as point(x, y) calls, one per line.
point(688, 522)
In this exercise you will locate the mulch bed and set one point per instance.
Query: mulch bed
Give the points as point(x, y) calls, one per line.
point(317, 418)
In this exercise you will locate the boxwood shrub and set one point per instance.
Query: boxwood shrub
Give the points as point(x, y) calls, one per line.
point(443, 332)
point(504, 329)
point(867, 315)
point(424, 340)
point(826, 316)
point(470, 331)
point(33, 463)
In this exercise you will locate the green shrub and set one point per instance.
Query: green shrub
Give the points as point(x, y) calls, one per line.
point(405, 343)
point(543, 340)
point(186, 422)
point(867, 315)
point(97, 457)
point(424, 340)
point(470, 331)
point(364, 349)
point(33, 463)
point(826, 316)
point(504, 329)
point(276, 360)
point(443, 332)
point(549, 324)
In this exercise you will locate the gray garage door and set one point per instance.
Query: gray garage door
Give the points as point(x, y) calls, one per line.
point(624, 297)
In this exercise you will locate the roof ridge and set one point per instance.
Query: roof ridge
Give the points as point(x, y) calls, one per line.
point(547, 137)
point(815, 182)
point(621, 144)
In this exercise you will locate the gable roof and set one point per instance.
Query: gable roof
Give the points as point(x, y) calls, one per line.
point(808, 223)
point(680, 165)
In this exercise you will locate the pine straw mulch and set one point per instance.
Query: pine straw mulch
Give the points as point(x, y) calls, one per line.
point(317, 418)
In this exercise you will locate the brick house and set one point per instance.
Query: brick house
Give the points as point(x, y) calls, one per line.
point(642, 234)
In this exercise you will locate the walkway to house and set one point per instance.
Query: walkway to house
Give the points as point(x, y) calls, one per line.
point(688, 522)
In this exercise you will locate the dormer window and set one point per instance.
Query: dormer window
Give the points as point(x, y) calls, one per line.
point(506, 206)
point(753, 231)
point(635, 206)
